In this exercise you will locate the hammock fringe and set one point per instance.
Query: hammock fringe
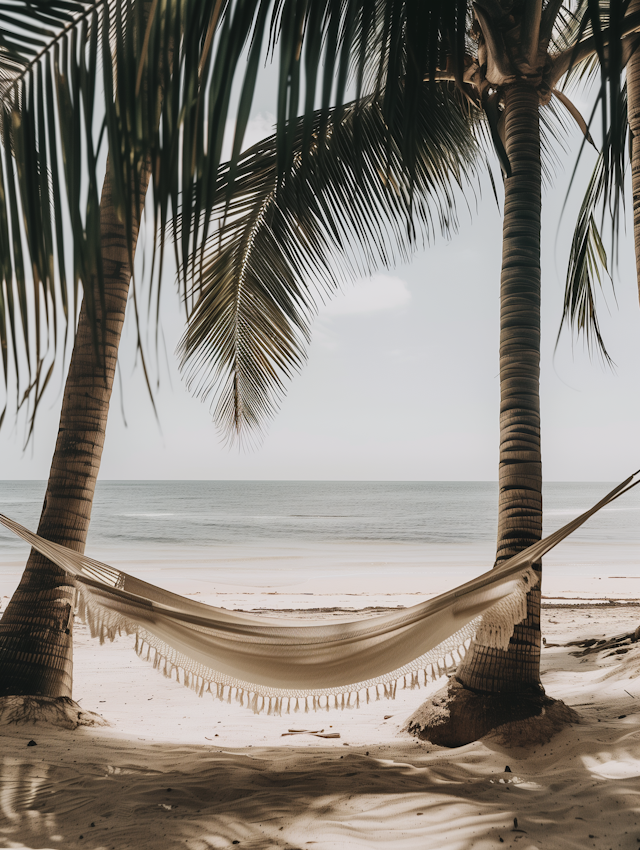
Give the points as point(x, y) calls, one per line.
point(493, 629)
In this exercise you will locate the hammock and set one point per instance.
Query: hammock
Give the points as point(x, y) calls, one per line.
point(276, 665)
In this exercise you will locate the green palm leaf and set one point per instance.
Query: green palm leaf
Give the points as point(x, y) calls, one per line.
point(66, 99)
point(588, 261)
point(587, 267)
point(287, 243)
point(57, 58)
point(33, 274)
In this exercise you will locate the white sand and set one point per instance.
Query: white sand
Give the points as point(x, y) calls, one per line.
point(234, 778)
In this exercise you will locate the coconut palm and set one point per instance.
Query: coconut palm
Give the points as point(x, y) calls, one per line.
point(80, 80)
point(297, 199)
point(36, 629)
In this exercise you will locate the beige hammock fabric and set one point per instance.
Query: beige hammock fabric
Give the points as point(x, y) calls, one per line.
point(277, 665)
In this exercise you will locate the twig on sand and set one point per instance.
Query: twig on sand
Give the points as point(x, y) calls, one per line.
point(319, 733)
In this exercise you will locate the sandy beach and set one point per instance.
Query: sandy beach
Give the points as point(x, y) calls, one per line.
point(173, 770)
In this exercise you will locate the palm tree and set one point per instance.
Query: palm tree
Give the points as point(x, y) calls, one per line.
point(47, 109)
point(36, 630)
point(328, 176)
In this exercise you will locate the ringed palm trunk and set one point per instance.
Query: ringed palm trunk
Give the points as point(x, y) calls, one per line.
point(36, 640)
point(516, 670)
point(633, 107)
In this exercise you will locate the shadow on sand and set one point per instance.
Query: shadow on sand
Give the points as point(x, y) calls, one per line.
point(90, 789)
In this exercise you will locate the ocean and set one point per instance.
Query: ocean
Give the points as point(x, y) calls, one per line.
point(421, 535)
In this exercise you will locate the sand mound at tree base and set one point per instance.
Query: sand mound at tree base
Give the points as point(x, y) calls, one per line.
point(456, 716)
point(56, 711)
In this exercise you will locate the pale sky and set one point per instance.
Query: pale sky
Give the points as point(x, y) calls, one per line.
point(401, 381)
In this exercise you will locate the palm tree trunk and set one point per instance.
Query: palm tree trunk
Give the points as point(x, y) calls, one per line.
point(633, 107)
point(520, 477)
point(36, 642)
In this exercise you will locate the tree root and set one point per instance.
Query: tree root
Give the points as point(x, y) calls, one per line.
point(456, 716)
point(620, 644)
point(56, 711)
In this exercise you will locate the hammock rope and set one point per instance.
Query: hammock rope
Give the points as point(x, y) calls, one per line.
point(277, 665)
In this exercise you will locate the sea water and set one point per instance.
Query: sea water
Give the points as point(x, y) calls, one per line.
point(421, 535)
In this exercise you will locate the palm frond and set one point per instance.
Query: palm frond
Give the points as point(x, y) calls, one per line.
point(605, 25)
point(369, 42)
point(48, 58)
point(555, 121)
point(588, 264)
point(347, 205)
point(67, 98)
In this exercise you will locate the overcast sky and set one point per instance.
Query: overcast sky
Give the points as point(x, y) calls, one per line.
point(401, 381)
